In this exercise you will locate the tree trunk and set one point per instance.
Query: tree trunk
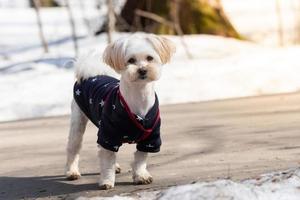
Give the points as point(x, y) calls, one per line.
point(44, 3)
point(279, 23)
point(36, 4)
point(195, 16)
point(111, 20)
point(73, 28)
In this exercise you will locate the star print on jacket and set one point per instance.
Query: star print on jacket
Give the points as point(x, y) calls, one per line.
point(100, 99)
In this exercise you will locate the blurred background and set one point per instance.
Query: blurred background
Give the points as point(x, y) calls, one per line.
point(225, 48)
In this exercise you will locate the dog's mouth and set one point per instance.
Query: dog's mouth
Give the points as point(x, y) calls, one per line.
point(142, 77)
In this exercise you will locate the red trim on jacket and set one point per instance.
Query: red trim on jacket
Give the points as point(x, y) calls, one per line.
point(147, 132)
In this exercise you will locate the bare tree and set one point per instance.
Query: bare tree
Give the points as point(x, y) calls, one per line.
point(279, 23)
point(296, 8)
point(84, 17)
point(175, 18)
point(73, 28)
point(111, 20)
point(195, 16)
point(36, 4)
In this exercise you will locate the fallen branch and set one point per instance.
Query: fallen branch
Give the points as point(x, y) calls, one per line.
point(154, 17)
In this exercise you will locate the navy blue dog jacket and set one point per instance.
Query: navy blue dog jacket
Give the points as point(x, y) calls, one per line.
point(100, 99)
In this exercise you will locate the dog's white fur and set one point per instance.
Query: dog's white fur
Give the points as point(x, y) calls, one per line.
point(149, 52)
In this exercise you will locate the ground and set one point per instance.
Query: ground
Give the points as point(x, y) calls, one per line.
point(235, 139)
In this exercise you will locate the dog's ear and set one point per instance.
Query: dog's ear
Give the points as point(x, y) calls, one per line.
point(114, 55)
point(163, 46)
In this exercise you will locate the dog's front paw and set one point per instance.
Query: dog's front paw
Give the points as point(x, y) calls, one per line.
point(106, 185)
point(73, 175)
point(142, 178)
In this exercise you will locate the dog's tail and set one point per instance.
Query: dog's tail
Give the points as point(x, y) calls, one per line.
point(90, 64)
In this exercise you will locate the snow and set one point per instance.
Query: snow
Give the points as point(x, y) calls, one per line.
point(257, 20)
point(40, 90)
point(221, 68)
point(13, 3)
point(37, 84)
point(276, 186)
point(227, 68)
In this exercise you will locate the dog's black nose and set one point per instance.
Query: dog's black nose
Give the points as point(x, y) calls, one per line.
point(142, 71)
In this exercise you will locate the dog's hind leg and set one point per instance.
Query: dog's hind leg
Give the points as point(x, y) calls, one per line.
point(77, 128)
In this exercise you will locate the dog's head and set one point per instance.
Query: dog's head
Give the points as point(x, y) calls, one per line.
point(139, 57)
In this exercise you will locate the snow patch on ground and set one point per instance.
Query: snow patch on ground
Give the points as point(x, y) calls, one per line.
point(276, 186)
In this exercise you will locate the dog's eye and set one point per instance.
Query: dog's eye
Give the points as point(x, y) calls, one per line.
point(149, 58)
point(131, 60)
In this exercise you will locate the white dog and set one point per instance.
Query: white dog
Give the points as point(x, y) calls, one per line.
point(125, 110)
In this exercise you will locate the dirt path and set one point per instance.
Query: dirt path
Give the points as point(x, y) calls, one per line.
point(203, 141)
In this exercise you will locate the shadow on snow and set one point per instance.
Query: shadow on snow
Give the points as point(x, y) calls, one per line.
point(8, 52)
point(62, 62)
